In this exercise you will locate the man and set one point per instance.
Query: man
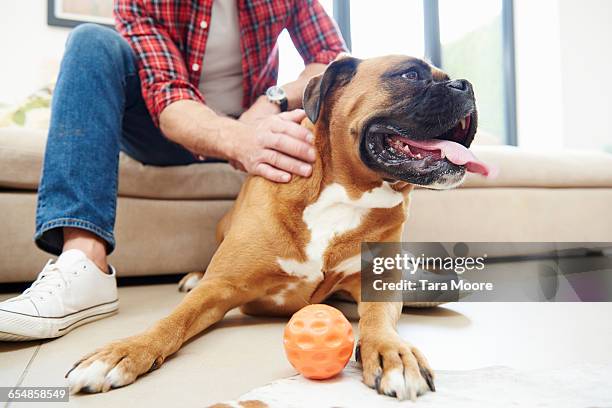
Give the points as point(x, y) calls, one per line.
point(182, 83)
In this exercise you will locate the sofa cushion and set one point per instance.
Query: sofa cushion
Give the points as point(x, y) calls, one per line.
point(22, 150)
point(178, 236)
point(562, 168)
point(154, 237)
point(21, 153)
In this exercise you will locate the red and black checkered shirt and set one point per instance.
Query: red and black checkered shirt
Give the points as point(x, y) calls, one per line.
point(169, 39)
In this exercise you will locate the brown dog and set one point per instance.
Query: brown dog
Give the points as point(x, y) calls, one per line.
point(381, 126)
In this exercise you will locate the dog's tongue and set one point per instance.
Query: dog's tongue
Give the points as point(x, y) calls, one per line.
point(455, 153)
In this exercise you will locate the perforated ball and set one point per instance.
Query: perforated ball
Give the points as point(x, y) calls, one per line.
point(318, 341)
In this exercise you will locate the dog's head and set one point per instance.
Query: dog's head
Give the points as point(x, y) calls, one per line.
point(398, 116)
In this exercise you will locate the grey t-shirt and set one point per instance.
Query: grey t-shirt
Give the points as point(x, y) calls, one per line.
point(221, 78)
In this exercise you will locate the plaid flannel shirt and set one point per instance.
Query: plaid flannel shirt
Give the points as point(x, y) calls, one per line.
point(169, 39)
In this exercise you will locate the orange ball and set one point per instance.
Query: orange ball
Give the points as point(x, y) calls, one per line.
point(318, 341)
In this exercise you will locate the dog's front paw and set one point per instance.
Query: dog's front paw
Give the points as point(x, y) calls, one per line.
point(395, 368)
point(190, 281)
point(115, 365)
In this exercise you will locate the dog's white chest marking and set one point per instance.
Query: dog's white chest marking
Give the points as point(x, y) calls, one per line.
point(279, 298)
point(333, 214)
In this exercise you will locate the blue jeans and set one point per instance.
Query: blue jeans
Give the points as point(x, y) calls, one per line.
point(97, 111)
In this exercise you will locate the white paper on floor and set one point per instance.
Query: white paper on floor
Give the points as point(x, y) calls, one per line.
point(499, 387)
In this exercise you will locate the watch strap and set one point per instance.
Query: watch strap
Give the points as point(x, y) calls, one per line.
point(284, 104)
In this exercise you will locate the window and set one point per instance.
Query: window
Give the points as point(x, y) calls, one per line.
point(387, 27)
point(291, 63)
point(470, 39)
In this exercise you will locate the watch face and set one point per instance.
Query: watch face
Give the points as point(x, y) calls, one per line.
point(275, 93)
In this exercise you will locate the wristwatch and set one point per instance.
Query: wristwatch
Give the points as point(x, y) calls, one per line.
point(277, 96)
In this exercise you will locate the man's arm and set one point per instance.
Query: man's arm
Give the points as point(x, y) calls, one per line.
point(294, 91)
point(314, 34)
point(163, 75)
point(318, 40)
point(275, 148)
point(199, 129)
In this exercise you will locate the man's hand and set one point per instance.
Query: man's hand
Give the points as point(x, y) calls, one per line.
point(262, 141)
point(261, 108)
point(275, 146)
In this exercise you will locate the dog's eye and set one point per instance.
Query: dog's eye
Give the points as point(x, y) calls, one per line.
point(412, 75)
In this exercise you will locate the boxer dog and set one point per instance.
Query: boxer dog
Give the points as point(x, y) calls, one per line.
point(381, 126)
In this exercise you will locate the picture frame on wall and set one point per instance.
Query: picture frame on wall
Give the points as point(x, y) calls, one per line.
point(71, 13)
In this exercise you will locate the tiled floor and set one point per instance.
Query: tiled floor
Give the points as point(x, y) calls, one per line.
point(241, 352)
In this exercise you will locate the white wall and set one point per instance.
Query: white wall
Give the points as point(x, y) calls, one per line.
point(563, 58)
point(586, 61)
point(30, 49)
point(538, 74)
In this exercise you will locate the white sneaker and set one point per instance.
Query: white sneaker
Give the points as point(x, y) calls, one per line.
point(68, 293)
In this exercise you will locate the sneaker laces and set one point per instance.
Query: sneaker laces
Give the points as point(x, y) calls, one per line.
point(48, 280)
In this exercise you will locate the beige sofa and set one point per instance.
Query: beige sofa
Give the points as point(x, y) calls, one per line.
point(166, 216)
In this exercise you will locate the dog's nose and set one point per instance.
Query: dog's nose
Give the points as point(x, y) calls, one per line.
point(459, 84)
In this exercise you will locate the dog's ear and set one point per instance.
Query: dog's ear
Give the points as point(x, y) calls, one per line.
point(338, 73)
point(312, 97)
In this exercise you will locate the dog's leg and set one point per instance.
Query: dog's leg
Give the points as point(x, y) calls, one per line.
point(390, 365)
point(121, 362)
point(190, 281)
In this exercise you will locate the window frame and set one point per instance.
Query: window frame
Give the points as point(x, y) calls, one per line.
point(433, 51)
